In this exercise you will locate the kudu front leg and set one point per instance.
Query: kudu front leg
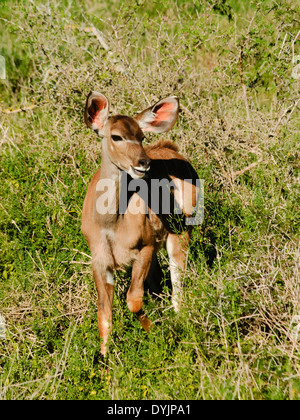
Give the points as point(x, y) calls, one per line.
point(135, 294)
point(104, 284)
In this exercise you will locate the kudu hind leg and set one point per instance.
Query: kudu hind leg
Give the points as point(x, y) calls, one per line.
point(105, 298)
point(135, 294)
point(177, 248)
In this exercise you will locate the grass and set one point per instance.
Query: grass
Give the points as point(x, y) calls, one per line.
point(231, 65)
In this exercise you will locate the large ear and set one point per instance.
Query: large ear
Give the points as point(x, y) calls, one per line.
point(160, 117)
point(96, 111)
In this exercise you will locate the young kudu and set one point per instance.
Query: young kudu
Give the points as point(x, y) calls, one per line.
point(118, 237)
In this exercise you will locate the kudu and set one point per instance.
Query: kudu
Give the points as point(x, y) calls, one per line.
point(117, 239)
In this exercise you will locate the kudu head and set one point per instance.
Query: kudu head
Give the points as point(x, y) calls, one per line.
point(124, 135)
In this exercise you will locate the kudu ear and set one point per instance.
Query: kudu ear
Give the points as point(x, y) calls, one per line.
point(160, 117)
point(96, 111)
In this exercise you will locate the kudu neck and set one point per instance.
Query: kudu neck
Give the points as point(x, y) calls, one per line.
point(109, 190)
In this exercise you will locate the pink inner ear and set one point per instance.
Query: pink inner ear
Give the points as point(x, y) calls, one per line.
point(98, 120)
point(164, 113)
point(97, 106)
point(102, 105)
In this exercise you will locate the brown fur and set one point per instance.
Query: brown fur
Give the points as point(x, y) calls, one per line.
point(159, 145)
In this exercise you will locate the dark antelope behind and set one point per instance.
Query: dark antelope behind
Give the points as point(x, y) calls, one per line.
point(117, 239)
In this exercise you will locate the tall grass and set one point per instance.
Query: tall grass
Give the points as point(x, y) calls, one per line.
point(231, 64)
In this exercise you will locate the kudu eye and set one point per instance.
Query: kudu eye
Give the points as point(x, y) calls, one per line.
point(116, 138)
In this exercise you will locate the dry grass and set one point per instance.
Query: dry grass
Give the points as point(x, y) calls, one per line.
point(239, 126)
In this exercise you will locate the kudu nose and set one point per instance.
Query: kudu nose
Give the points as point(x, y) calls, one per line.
point(144, 162)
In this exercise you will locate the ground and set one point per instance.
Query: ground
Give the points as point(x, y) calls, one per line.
point(235, 67)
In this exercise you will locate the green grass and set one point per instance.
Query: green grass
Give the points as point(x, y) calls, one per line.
point(231, 66)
